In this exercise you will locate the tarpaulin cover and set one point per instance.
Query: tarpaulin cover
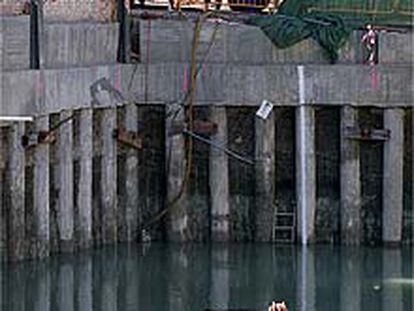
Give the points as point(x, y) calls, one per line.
point(294, 22)
point(331, 32)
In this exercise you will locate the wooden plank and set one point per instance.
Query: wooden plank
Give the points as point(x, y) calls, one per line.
point(16, 193)
point(83, 211)
point(130, 211)
point(175, 164)
point(350, 175)
point(3, 151)
point(393, 177)
point(264, 177)
point(41, 236)
point(219, 178)
point(108, 182)
point(65, 183)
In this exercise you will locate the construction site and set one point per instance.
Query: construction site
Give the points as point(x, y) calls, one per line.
point(279, 125)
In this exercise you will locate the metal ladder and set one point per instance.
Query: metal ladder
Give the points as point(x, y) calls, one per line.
point(284, 227)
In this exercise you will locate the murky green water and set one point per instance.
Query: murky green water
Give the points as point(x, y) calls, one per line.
point(173, 277)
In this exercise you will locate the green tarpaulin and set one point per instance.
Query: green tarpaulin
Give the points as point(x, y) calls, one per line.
point(331, 32)
point(326, 21)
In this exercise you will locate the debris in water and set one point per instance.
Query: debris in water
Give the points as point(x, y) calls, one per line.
point(277, 306)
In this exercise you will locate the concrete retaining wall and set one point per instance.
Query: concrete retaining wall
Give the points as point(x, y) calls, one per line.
point(90, 43)
point(171, 40)
point(34, 92)
point(86, 164)
point(66, 44)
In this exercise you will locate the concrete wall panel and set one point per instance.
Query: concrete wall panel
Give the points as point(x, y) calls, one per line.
point(14, 43)
point(81, 44)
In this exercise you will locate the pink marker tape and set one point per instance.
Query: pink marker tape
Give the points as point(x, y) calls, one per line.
point(374, 78)
point(185, 80)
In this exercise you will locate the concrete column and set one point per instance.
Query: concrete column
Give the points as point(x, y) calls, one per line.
point(350, 280)
point(393, 178)
point(350, 176)
point(175, 165)
point(264, 177)
point(305, 173)
point(306, 283)
point(65, 182)
point(84, 182)
point(41, 234)
point(65, 289)
point(41, 37)
point(219, 178)
point(108, 181)
point(83, 284)
point(16, 188)
point(3, 156)
point(2, 214)
point(220, 278)
point(130, 217)
point(392, 298)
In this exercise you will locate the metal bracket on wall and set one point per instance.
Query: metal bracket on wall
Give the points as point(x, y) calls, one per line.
point(367, 134)
point(128, 138)
point(36, 138)
point(200, 127)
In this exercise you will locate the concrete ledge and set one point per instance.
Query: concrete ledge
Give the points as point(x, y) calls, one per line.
point(31, 92)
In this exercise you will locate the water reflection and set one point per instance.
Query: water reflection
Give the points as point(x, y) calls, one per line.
point(196, 277)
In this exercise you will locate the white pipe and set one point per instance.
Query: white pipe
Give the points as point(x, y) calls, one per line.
point(302, 121)
point(16, 119)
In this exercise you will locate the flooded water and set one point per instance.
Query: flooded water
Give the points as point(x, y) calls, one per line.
point(198, 277)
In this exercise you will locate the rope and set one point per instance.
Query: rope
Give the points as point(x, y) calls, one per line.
point(173, 205)
point(219, 147)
